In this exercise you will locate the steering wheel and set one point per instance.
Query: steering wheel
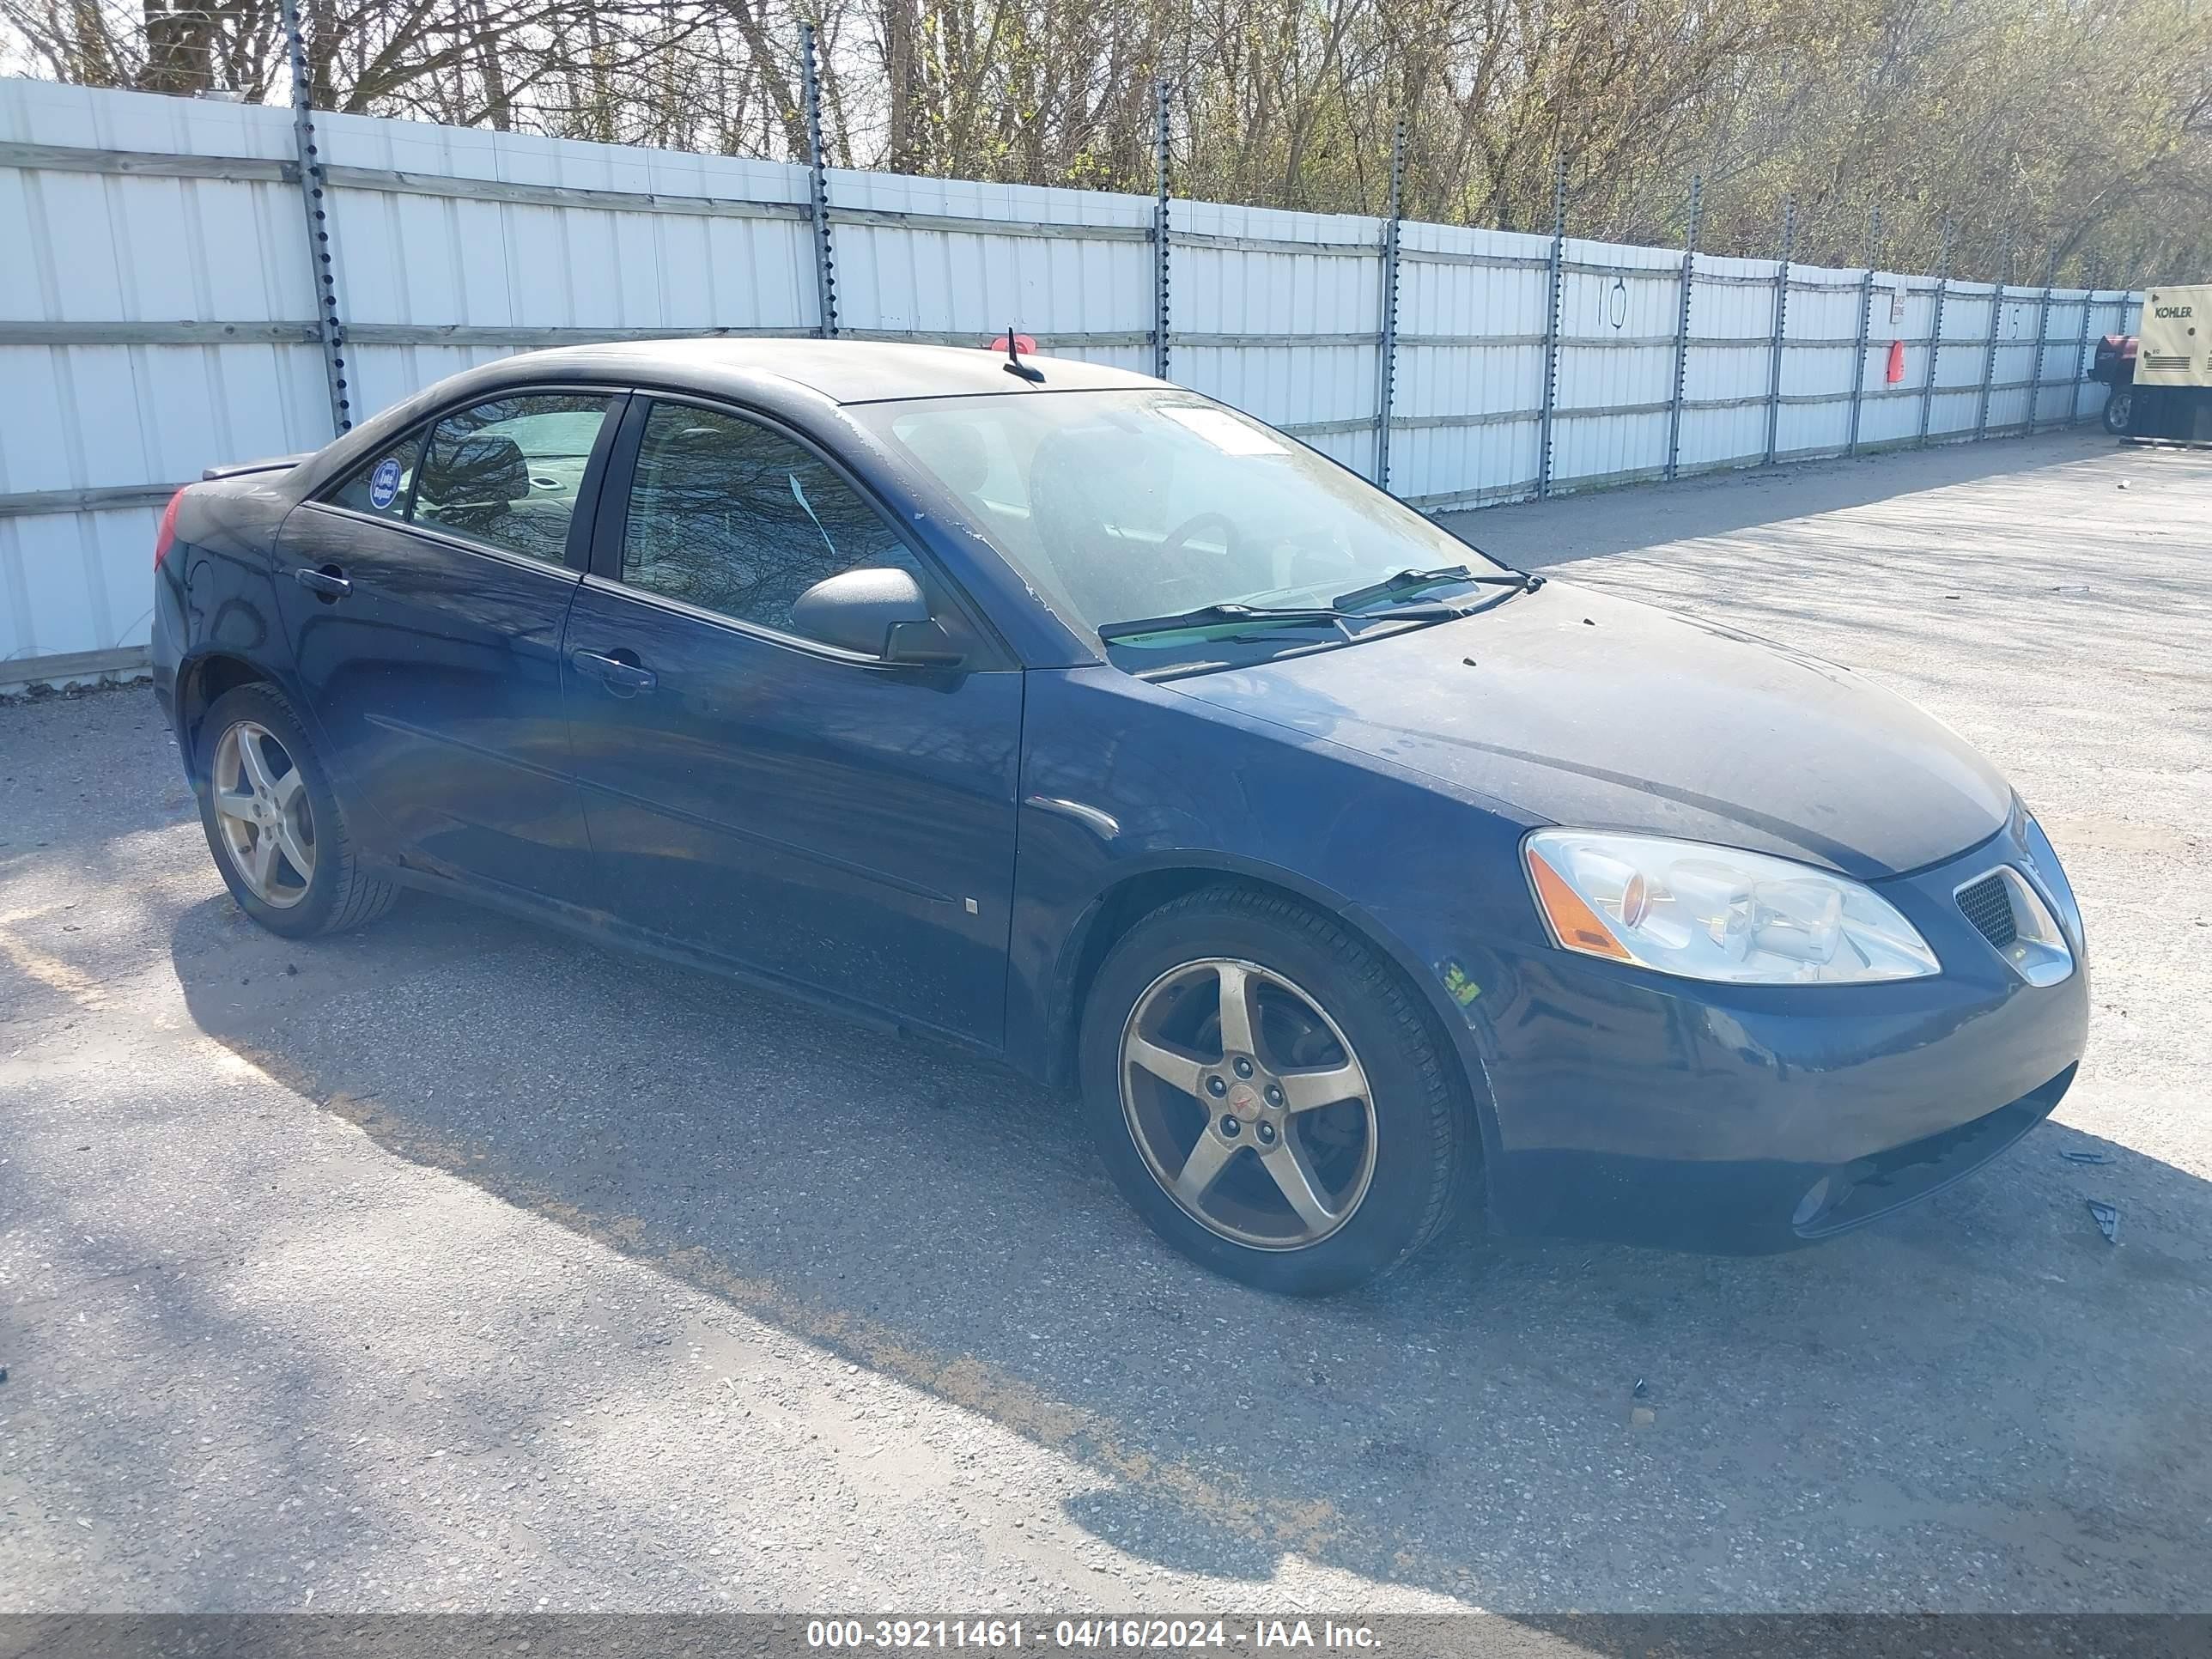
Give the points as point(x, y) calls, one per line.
point(1176, 539)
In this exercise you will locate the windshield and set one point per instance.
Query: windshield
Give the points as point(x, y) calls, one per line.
point(1117, 506)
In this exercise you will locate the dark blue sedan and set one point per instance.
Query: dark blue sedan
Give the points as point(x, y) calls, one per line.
point(1351, 880)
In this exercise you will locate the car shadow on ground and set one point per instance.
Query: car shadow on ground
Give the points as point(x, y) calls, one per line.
point(1529, 1425)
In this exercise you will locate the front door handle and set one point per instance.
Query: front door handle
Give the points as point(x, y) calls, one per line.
point(624, 679)
point(329, 582)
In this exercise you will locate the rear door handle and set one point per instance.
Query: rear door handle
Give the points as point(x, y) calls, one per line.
point(624, 678)
point(327, 581)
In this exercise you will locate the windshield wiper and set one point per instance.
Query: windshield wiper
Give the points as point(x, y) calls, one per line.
point(1204, 614)
point(1412, 582)
point(1266, 614)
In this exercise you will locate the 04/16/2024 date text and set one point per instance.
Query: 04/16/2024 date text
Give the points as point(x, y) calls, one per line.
point(1084, 1635)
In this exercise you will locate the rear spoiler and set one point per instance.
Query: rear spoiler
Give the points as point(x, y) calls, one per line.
point(239, 469)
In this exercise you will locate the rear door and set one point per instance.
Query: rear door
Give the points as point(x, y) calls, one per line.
point(838, 820)
point(424, 598)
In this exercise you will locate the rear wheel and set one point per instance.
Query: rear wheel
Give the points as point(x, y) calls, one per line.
point(278, 832)
point(2117, 407)
point(1266, 1091)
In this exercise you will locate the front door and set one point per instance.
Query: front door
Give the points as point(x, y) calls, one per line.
point(424, 597)
point(836, 821)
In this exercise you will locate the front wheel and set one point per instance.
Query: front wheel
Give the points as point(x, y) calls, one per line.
point(2117, 407)
point(273, 823)
point(1266, 1091)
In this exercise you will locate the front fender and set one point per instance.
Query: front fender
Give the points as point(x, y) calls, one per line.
point(1130, 787)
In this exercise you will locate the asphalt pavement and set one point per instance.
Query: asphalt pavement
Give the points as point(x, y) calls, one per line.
point(457, 1265)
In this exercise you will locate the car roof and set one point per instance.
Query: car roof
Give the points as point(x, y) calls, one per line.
point(841, 371)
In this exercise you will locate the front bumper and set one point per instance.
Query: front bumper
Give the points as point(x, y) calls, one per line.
point(1634, 1106)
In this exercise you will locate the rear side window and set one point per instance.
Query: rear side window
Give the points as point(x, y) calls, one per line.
point(736, 519)
point(379, 486)
point(506, 472)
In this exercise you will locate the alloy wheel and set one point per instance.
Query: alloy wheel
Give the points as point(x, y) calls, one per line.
point(262, 811)
point(1247, 1104)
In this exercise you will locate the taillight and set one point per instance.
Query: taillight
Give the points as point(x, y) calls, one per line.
point(167, 535)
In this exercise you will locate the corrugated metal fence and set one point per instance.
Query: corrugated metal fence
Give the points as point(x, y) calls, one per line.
point(159, 311)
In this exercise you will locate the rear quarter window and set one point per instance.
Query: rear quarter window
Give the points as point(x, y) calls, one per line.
point(379, 486)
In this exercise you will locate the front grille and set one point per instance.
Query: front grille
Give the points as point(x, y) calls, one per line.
point(1988, 905)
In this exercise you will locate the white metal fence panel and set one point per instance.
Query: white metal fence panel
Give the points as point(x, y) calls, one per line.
point(1900, 318)
point(158, 313)
point(1616, 372)
point(1820, 348)
point(2060, 366)
point(149, 323)
point(1072, 269)
point(456, 245)
point(1471, 314)
point(1286, 334)
point(1731, 361)
point(2011, 354)
point(1969, 314)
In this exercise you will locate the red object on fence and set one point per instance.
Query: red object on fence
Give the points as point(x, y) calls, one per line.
point(1896, 362)
point(1022, 342)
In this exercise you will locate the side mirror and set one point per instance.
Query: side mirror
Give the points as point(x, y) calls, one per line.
point(874, 613)
point(925, 644)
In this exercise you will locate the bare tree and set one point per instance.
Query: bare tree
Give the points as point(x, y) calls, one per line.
point(2058, 127)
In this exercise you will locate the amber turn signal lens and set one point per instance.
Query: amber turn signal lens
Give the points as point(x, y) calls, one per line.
point(1574, 924)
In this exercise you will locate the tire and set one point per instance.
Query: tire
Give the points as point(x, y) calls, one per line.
point(253, 747)
point(2119, 404)
point(1386, 1167)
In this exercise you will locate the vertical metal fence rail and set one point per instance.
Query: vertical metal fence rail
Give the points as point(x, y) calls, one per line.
point(1682, 327)
point(1858, 361)
point(2041, 332)
point(1781, 327)
point(1988, 364)
point(314, 201)
point(1935, 333)
point(1387, 340)
point(2081, 345)
point(1551, 330)
point(1866, 329)
point(1990, 357)
point(817, 171)
point(1161, 292)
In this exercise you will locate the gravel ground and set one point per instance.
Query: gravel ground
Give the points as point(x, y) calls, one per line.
point(456, 1265)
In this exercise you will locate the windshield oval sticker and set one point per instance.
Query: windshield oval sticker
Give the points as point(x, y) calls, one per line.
point(384, 482)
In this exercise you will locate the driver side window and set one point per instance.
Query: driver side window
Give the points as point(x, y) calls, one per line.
point(740, 520)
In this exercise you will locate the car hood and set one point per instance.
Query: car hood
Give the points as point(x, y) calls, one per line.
point(1567, 705)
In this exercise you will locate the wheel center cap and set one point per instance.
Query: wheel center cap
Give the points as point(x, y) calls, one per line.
point(1244, 1101)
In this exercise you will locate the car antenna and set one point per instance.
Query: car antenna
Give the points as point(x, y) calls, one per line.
point(1014, 365)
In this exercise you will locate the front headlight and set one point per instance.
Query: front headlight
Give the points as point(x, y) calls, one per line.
point(1716, 913)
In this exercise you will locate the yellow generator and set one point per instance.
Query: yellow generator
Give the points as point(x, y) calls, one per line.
point(2171, 397)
